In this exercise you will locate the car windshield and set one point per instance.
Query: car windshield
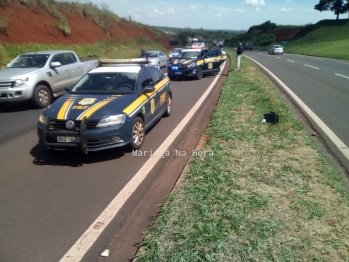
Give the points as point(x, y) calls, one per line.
point(176, 50)
point(152, 54)
point(190, 54)
point(29, 61)
point(110, 83)
point(278, 46)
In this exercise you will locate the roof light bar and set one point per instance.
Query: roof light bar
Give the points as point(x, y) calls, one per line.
point(123, 61)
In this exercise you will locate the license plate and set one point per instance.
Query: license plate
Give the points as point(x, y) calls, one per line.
point(68, 139)
point(178, 73)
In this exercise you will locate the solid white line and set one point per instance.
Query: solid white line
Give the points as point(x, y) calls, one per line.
point(342, 63)
point(81, 246)
point(290, 60)
point(332, 136)
point(342, 76)
point(311, 66)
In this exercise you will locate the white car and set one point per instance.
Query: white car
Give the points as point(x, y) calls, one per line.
point(276, 49)
point(175, 52)
point(157, 58)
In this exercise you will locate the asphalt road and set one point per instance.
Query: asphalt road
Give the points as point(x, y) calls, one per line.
point(47, 201)
point(321, 83)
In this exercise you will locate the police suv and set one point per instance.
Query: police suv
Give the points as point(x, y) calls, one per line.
point(196, 63)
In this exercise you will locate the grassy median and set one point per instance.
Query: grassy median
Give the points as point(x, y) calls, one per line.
point(262, 192)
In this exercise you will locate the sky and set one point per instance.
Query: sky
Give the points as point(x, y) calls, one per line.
point(218, 14)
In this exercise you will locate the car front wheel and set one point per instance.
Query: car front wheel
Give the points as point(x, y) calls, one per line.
point(199, 73)
point(41, 96)
point(138, 133)
point(168, 106)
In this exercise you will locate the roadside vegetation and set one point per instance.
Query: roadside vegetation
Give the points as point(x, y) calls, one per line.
point(102, 49)
point(265, 193)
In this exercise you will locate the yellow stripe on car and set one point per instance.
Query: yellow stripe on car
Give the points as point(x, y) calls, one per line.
point(140, 100)
point(62, 112)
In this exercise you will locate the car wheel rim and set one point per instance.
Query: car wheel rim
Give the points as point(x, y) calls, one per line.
point(43, 96)
point(138, 133)
point(169, 104)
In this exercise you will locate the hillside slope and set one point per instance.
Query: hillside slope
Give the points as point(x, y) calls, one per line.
point(23, 24)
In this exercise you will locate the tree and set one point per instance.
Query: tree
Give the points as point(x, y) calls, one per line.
point(336, 6)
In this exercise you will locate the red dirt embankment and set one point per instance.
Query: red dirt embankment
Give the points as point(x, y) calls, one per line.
point(32, 24)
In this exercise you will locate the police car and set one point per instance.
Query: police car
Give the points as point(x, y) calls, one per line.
point(111, 106)
point(196, 63)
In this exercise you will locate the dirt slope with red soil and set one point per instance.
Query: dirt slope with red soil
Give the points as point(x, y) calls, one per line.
point(32, 24)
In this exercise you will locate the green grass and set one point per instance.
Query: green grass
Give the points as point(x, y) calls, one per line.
point(265, 193)
point(327, 38)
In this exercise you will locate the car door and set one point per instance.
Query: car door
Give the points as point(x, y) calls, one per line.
point(163, 59)
point(74, 67)
point(60, 77)
point(160, 98)
point(211, 61)
point(148, 108)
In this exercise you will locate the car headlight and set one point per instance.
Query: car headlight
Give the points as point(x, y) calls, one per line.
point(21, 81)
point(193, 64)
point(112, 121)
point(42, 118)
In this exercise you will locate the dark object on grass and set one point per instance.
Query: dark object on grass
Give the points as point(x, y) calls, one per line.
point(271, 117)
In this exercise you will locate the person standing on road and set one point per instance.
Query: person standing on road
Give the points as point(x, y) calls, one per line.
point(239, 51)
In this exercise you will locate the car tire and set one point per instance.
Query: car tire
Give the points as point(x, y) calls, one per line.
point(198, 73)
point(41, 96)
point(168, 106)
point(137, 133)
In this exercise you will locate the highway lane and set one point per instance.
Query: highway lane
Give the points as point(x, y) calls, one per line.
point(321, 83)
point(48, 200)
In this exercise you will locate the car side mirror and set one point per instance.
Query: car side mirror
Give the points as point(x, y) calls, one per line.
point(68, 88)
point(148, 89)
point(55, 64)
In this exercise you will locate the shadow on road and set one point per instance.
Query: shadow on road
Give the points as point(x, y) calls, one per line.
point(74, 159)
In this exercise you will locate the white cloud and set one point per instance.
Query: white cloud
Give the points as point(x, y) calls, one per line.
point(239, 11)
point(258, 9)
point(218, 16)
point(255, 2)
point(285, 10)
point(171, 11)
point(192, 7)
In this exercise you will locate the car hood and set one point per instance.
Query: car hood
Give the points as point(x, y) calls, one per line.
point(95, 107)
point(12, 73)
point(183, 61)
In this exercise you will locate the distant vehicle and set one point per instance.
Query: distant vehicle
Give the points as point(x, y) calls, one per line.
point(39, 76)
point(248, 46)
point(198, 45)
point(111, 106)
point(175, 52)
point(195, 63)
point(157, 58)
point(276, 49)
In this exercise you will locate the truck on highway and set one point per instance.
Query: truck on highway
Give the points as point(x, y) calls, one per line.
point(39, 76)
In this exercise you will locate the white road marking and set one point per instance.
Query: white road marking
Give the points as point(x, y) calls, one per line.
point(343, 148)
point(311, 66)
point(342, 76)
point(342, 63)
point(82, 245)
point(290, 60)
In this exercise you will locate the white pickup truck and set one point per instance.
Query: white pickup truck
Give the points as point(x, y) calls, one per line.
point(39, 76)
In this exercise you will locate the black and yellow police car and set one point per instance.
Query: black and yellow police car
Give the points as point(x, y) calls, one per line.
point(196, 63)
point(111, 106)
